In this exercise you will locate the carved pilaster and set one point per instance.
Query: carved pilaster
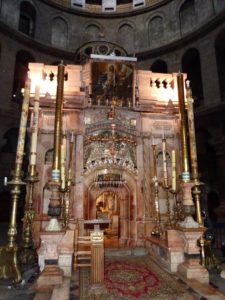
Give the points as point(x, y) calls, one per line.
point(148, 205)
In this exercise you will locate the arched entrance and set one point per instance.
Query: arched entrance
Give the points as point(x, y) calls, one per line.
point(113, 203)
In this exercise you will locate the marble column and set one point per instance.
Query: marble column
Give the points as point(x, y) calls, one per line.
point(78, 205)
point(146, 176)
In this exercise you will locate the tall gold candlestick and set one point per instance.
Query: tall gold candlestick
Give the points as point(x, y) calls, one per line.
point(196, 190)
point(54, 208)
point(157, 230)
point(165, 172)
point(8, 254)
point(58, 120)
point(184, 138)
point(154, 159)
point(192, 138)
point(34, 127)
point(63, 162)
point(69, 183)
point(31, 179)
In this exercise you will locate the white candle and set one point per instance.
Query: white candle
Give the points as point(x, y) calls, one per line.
point(165, 176)
point(34, 128)
point(174, 179)
point(72, 137)
point(5, 181)
point(192, 138)
point(63, 162)
point(23, 123)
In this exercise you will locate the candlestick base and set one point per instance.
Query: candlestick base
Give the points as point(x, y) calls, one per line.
point(9, 264)
point(28, 257)
point(157, 231)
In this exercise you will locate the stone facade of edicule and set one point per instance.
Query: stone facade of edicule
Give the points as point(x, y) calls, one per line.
point(152, 116)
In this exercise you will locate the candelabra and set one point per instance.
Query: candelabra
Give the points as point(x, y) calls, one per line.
point(166, 187)
point(27, 253)
point(54, 209)
point(157, 230)
point(178, 208)
point(69, 183)
point(8, 254)
point(196, 189)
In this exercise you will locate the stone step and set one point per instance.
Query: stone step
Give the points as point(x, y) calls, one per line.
point(136, 251)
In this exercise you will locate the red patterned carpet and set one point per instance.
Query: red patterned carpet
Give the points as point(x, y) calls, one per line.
point(129, 279)
point(135, 277)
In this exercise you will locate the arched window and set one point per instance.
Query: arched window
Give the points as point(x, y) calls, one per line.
point(159, 66)
point(126, 37)
point(155, 31)
point(187, 16)
point(20, 72)
point(220, 57)
point(59, 33)
point(92, 32)
point(27, 18)
point(192, 66)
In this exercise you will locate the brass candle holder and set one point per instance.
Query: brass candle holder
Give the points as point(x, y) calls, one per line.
point(157, 229)
point(27, 253)
point(54, 208)
point(196, 192)
point(166, 188)
point(196, 189)
point(178, 209)
point(69, 183)
point(8, 254)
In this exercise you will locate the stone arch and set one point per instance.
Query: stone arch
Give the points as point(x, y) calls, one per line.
point(27, 18)
point(187, 16)
point(220, 58)
point(59, 36)
point(93, 31)
point(191, 64)
point(159, 66)
point(126, 36)
point(23, 58)
point(127, 197)
point(49, 156)
point(155, 30)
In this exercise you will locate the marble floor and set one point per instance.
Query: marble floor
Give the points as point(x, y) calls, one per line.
point(69, 289)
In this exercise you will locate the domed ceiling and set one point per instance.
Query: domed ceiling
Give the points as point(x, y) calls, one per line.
point(100, 1)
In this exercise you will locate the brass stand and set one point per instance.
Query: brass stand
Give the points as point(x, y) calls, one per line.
point(178, 209)
point(54, 208)
point(196, 192)
point(27, 253)
point(8, 254)
point(69, 183)
point(65, 207)
point(201, 242)
point(157, 229)
point(169, 221)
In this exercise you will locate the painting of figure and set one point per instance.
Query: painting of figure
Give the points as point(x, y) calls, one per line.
point(112, 83)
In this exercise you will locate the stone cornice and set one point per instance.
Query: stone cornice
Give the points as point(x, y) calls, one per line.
point(103, 15)
point(148, 54)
